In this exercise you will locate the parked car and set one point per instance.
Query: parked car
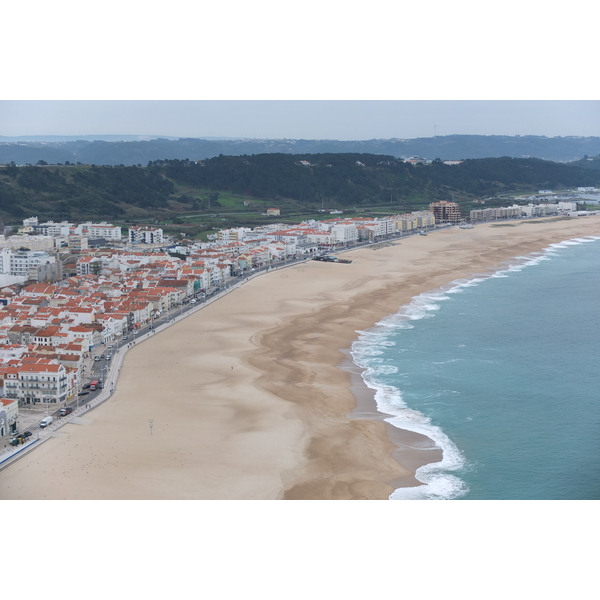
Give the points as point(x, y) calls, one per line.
point(124, 337)
point(45, 422)
point(86, 386)
point(102, 356)
point(83, 393)
point(108, 356)
point(65, 411)
point(96, 358)
point(27, 434)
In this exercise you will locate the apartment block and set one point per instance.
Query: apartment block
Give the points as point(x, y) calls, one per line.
point(445, 212)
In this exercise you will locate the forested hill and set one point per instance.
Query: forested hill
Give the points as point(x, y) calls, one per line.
point(348, 179)
point(304, 182)
point(140, 152)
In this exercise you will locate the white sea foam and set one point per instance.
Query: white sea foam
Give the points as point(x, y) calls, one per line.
point(384, 370)
point(571, 242)
point(371, 351)
point(437, 486)
point(438, 483)
point(459, 285)
point(583, 240)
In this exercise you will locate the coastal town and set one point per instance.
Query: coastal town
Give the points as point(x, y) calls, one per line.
point(73, 295)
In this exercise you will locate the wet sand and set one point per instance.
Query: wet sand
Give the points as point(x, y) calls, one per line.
point(251, 397)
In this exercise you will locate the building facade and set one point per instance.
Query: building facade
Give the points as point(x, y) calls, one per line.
point(30, 265)
point(445, 212)
point(41, 382)
point(145, 235)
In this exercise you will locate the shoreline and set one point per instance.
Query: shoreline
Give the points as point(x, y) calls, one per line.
point(249, 396)
point(413, 450)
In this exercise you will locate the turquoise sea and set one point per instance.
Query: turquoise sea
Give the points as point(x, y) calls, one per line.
point(503, 372)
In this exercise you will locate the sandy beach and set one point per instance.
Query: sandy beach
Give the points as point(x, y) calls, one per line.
point(254, 397)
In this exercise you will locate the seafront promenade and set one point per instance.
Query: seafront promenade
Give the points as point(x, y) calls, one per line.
point(29, 421)
point(29, 417)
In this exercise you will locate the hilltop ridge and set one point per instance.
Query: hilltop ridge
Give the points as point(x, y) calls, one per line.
point(132, 150)
point(246, 185)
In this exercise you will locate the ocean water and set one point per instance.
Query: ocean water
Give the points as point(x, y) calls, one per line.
point(503, 372)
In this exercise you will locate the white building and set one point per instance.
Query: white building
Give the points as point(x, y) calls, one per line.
point(89, 265)
point(538, 210)
point(345, 232)
point(9, 414)
point(30, 265)
point(41, 382)
point(567, 207)
point(54, 229)
point(145, 235)
point(30, 222)
point(236, 234)
point(379, 227)
point(31, 242)
point(495, 213)
point(322, 238)
point(99, 230)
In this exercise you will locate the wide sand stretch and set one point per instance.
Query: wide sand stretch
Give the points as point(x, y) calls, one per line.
point(247, 396)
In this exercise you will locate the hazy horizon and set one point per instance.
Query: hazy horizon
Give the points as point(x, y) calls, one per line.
point(344, 120)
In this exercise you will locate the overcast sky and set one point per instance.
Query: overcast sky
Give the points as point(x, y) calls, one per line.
point(342, 120)
point(322, 69)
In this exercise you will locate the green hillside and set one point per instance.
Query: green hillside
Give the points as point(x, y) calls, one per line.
point(240, 188)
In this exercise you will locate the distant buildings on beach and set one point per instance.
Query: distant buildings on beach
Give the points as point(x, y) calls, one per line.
point(68, 291)
point(446, 212)
point(518, 211)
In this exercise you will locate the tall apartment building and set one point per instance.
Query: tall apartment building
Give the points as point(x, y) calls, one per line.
point(445, 212)
point(345, 232)
point(30, 265)
point(145, 235)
